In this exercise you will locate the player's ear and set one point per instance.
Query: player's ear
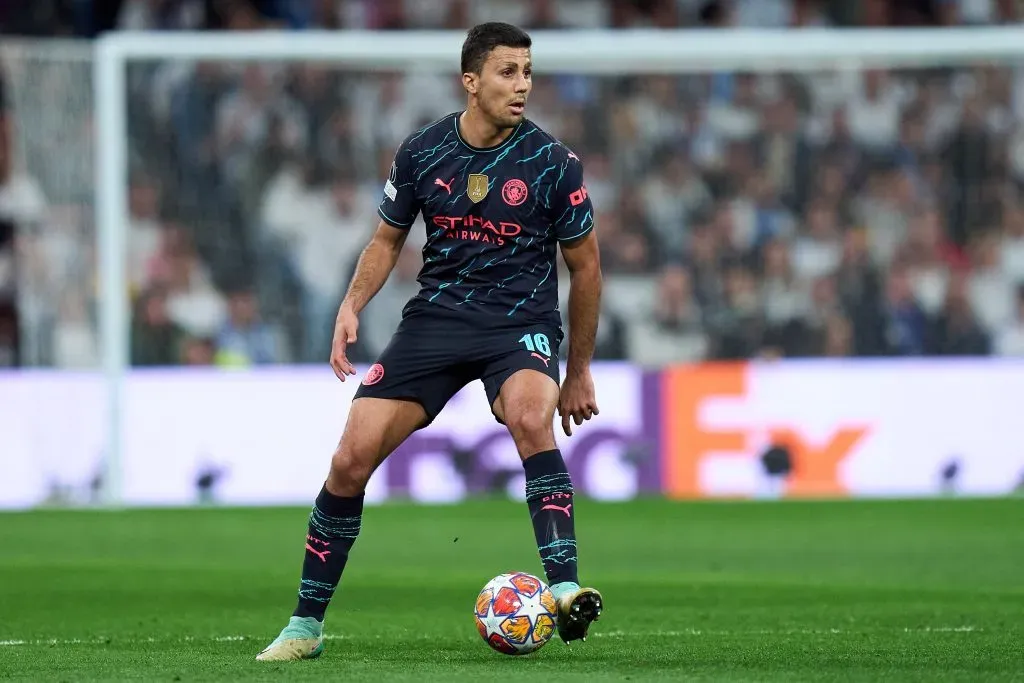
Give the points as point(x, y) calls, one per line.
point(471, 82)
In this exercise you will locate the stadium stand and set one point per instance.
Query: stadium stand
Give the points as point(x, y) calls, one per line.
point(872, 213)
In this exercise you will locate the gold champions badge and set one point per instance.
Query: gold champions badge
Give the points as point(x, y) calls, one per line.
point(476, 188)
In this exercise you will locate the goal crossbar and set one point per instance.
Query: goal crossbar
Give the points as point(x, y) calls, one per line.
point(595, 51)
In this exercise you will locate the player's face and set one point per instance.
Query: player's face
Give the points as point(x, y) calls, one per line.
point(503, 85)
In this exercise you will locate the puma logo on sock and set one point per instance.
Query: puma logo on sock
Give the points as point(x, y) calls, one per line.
point(322, 554)
point(557, 507)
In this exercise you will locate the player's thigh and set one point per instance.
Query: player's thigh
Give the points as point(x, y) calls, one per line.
point(522, 386)
point(527, 400)
point(535, 348)
point(374, 429)
point(526, 404)
point(419, 364)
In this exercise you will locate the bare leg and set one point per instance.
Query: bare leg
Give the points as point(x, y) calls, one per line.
point(375, 428)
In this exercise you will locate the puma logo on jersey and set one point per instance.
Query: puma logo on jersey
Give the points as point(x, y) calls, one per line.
point(540, 357)
point(447, 186)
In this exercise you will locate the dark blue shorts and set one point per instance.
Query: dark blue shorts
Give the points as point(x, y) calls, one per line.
point(433, 355)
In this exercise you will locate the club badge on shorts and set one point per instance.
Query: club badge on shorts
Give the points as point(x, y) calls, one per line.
point(477, 187)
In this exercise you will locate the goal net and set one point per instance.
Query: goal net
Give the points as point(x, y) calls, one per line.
point(236, 178)
point(46, 201)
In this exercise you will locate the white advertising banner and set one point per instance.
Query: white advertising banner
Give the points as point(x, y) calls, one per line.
point(265, 437)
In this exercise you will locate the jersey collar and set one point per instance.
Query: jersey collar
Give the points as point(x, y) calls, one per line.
point(506, 141)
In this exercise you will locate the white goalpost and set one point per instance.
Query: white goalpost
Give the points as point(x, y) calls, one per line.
point(585, 52)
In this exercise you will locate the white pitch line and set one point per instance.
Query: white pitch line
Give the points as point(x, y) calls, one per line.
point(599, 634)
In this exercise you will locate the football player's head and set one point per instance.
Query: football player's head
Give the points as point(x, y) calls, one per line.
point(497, 71)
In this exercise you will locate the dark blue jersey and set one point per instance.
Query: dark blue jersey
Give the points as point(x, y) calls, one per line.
point(494, 218)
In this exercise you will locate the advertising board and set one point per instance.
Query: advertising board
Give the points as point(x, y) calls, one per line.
point(265, 437)
point(866, 428)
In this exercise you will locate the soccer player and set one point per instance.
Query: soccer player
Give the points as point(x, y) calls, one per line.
point(499, 197)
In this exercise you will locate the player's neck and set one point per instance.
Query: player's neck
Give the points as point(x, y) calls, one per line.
point(477, 131)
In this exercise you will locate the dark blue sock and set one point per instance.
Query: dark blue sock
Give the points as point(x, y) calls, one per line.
point(333, 526)
point(549, 496)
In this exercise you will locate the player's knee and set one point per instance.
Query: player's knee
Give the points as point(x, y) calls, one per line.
point(530, 424)
point(350, 472)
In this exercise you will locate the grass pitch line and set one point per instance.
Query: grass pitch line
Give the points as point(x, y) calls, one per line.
point(605, 634)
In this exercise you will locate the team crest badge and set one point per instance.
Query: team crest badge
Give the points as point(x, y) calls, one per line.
point(374, 374)
point(514, 192)
point(477, 187)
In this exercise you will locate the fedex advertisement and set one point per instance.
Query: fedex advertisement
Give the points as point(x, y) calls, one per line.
point(743, 430)
point(863, 428)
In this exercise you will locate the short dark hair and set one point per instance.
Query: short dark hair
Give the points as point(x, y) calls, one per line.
point(483, 38)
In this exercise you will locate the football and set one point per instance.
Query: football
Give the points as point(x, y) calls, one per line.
point(515, 613)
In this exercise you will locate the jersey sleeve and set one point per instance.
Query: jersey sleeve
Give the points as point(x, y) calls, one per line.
point(399, 207)
point(571, 210)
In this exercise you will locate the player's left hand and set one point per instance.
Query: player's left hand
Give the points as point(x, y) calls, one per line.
point(577, 400)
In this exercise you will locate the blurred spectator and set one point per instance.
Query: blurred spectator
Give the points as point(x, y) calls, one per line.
point(955, 330)
point(904, 323)
point(142, 15)
point(246, 340)
point(247, 116)
point(884, 209)
point(75, 343)
point(8, 310)
point(322, 229)
point(672, 193)
point(40, 18)
point(200, 351)
point(784, 291)
point(989, 287)
point(737, 326)
point(818, 249)
point(1010, 340)
point(10, 341)
point(193, 302)
point(156, 339)
point(838, 341)
point(675, 333)
point(6, 149)
point(144, 230)
point(1011, 248)
point(873, 114)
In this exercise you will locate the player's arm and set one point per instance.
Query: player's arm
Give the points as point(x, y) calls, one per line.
point(375, 264)
point(583, 260)
point(573, 223)
point(397, 210)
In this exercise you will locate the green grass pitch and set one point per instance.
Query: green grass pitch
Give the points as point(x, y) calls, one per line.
point(792, 591)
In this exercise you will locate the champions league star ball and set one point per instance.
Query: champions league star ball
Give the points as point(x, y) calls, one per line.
point(515, 613)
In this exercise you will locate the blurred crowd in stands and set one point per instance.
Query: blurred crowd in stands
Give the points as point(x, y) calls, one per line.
point(854, 213)
point(88, 18)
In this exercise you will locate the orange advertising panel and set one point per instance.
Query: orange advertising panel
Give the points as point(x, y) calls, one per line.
point(869, 428)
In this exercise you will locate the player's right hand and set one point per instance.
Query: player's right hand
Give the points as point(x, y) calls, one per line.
point(345, 328)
